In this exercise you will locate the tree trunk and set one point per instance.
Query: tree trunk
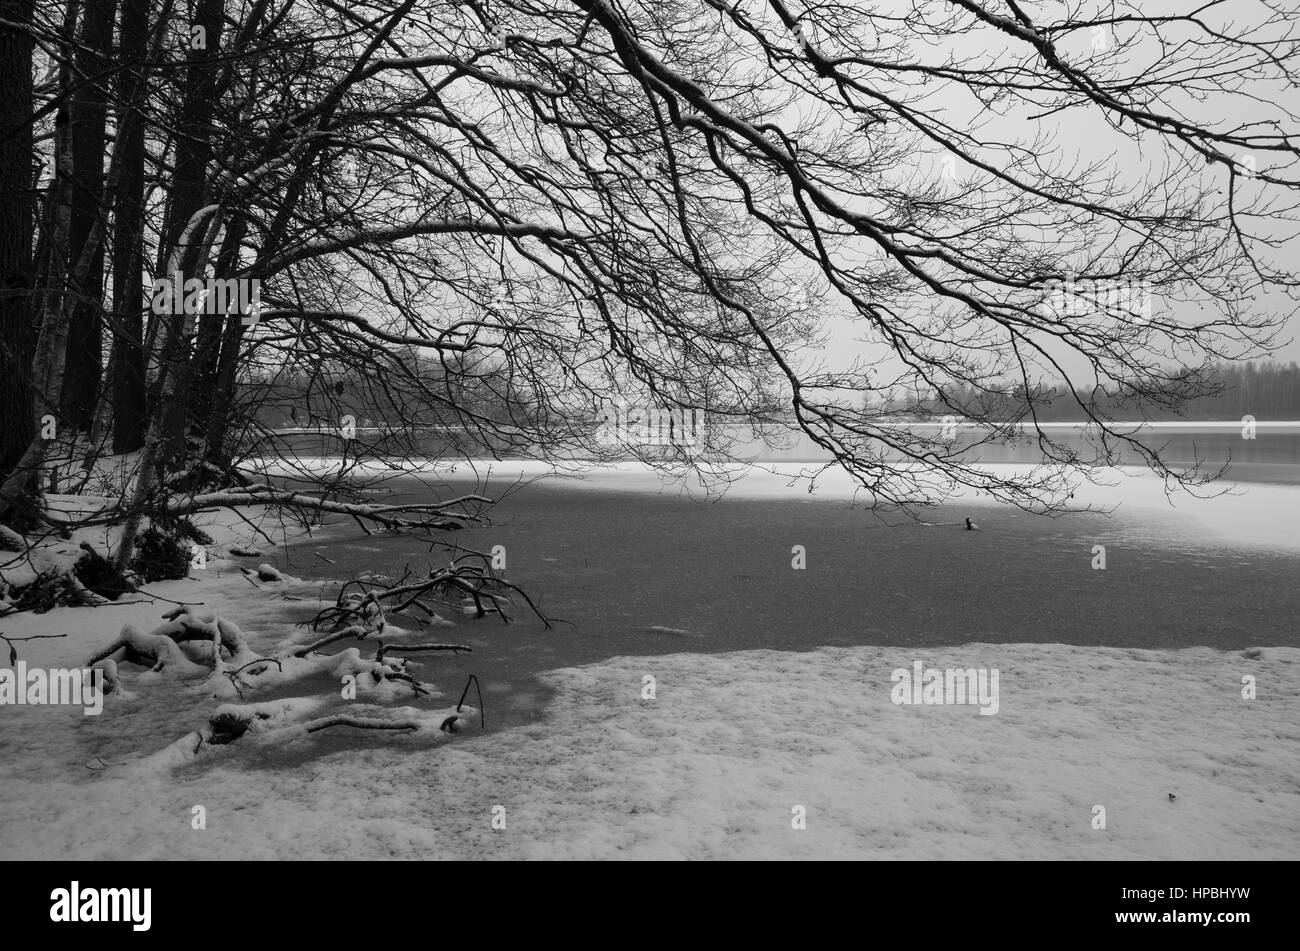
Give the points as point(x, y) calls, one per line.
point(193, 155)
point(128, 238)
point(223, 396)
point(87, 110)
point(213, 330)
point(192, 252)
point(52, 341)
point(17, 223)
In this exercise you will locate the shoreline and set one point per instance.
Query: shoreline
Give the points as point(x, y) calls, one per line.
point(713, 766)
point(710, 768)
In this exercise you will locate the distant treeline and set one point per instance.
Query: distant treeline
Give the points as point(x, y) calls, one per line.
point(1267, 391)
point(289, 398)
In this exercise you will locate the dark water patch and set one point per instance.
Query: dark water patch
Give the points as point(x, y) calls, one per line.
point(635, 574)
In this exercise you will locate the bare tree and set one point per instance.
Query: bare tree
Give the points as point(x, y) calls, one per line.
point(17, 217)
point(504, 217)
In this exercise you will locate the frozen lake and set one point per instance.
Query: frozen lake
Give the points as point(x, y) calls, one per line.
point(637, 567)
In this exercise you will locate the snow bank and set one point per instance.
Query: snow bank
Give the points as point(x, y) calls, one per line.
point(716, 764)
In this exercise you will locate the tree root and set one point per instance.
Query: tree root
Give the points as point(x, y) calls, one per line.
point(469, 577)
point(282, 720)
point(160, 649)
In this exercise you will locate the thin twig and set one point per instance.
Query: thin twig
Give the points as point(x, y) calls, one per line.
point(254, 663)
point(482, 719)
point(170, 600)
point(416, 648)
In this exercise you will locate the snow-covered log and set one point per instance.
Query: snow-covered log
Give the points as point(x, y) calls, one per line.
point(160, 649)
point(437, 515)
point(290, 718)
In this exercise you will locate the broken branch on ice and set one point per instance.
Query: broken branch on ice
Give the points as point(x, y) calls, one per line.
point(439, 515)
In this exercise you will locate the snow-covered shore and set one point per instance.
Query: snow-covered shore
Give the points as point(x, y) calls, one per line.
point(714, 766)
point(717, 764)
point(732, 749)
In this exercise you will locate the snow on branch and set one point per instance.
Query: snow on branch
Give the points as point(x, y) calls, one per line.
point(437, 514)
point(293, 718)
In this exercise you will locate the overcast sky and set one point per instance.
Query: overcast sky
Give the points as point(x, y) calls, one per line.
point(1084, 136)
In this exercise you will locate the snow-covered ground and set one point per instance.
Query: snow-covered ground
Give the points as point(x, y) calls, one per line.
point(715, 766)
point(731, 751)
